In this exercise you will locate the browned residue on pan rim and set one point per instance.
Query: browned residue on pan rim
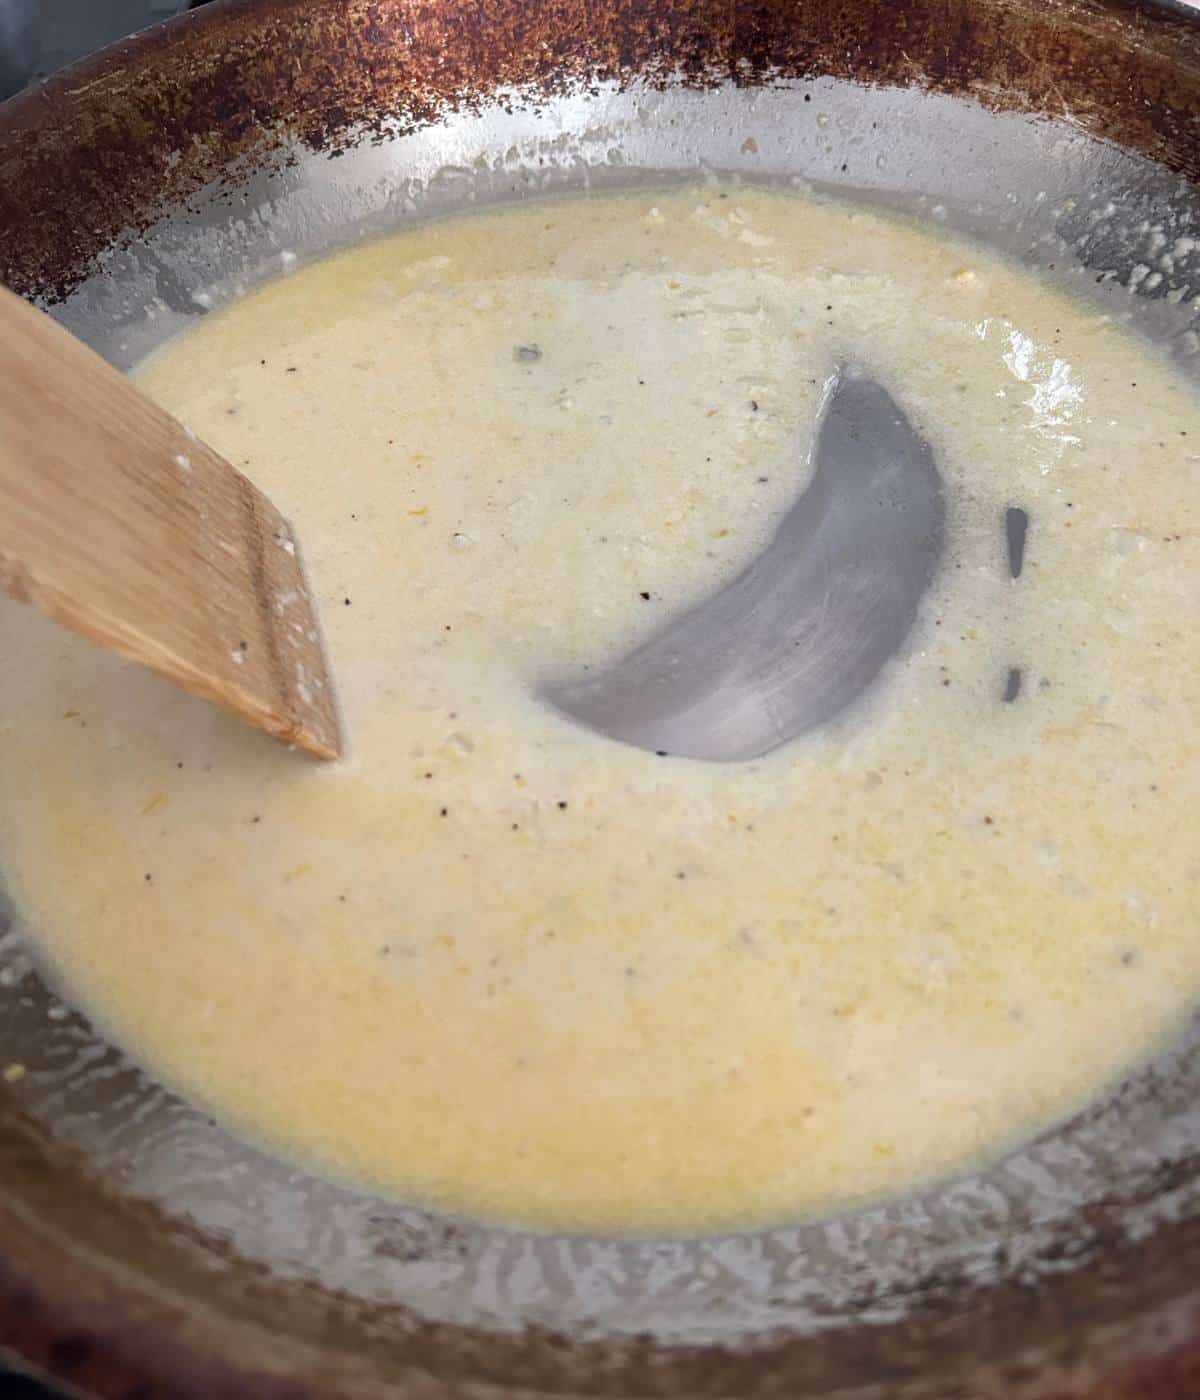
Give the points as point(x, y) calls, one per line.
point(102, 152)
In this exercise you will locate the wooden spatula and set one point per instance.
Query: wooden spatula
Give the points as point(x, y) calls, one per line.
point(118, 523)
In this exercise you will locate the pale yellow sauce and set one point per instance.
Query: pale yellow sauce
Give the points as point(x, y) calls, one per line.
point(504, 965)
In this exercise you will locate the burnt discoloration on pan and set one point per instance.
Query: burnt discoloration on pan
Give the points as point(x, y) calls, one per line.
point(112, 1334)
point(111, 145)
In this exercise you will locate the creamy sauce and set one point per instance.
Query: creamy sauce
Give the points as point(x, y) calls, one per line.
point(504, 965)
